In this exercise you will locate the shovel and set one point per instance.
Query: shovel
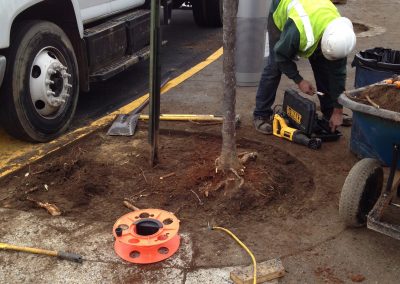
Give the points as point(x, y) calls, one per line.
point(125, 124)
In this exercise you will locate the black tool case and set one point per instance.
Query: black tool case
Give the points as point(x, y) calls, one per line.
point(300, 111)
point(302, 115)
point(322, 130)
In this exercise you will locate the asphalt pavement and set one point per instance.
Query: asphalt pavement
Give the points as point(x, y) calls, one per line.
point(186, 45)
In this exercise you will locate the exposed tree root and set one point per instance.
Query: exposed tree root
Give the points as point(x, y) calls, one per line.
point(239, 178)
point(239, 167)
point(230, 184)
point(247, 156)
point(52, 209)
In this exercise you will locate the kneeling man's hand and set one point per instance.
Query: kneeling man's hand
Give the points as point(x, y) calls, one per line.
point(306, 87)
point(336, 119)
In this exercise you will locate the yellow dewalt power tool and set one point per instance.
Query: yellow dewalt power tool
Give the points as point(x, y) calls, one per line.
point(298, 121)
point(281, 129)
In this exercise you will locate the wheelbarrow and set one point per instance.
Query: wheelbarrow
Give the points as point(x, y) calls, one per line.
point(375, 138)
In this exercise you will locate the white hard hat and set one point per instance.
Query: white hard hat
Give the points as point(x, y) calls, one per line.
point(338, 39)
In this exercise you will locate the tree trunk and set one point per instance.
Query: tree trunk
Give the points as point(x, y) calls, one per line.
point(229, 158)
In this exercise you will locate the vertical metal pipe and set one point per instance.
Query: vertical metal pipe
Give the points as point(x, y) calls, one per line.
point(393, 167)
point(155, 80)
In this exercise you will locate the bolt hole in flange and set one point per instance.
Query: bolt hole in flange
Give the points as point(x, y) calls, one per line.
point(168, 221)
point(144, 215)
point(39, 104)
point(163, 250)
point(134, 254)
point(36, 71)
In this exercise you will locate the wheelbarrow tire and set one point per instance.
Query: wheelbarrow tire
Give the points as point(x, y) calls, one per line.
point(360, 192)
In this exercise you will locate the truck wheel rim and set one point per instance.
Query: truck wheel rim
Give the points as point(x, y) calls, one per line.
point(49, 83)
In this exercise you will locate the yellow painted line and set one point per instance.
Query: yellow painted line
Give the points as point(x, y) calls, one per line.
point(16, 154)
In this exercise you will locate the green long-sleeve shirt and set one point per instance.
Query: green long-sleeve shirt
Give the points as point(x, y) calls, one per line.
point(286, 46)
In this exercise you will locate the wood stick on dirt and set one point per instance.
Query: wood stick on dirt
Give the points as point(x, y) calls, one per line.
point(32, 189)
point(139, 194)
point(266, 271)
point(372, 102)
point(178, 210)
point(261, 193)
point(200, 202)
point(145, 179)
point(51, 208)
point(130, 205)
point(167, 175)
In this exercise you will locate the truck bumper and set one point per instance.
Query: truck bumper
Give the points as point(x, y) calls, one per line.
point(2, 68)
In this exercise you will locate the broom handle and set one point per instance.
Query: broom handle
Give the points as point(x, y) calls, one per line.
point(59, 254)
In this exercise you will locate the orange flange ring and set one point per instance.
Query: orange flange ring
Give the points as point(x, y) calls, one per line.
point(146, 236)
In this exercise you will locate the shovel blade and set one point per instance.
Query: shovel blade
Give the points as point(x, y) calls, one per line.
point(124, 125)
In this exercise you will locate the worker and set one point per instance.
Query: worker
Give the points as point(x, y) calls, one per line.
point(310, 29)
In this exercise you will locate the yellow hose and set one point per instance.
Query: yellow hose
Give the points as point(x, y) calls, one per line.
point(243, 246)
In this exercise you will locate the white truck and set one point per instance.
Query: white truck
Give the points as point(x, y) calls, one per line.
point(51, 50)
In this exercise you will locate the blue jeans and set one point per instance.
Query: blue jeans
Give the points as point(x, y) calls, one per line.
point(269, 82)
point(270, 77)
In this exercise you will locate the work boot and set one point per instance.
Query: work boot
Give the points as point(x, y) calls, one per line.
point(263, 125)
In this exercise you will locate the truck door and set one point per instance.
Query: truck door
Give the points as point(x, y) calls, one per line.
point(92, 10)
point(122, 5)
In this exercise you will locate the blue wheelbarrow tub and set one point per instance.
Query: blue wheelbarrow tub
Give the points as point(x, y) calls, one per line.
point(373, 131)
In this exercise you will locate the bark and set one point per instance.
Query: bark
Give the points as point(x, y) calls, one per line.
point(229, 158)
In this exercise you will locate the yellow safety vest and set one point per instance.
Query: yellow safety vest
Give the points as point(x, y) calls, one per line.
point(311, 17)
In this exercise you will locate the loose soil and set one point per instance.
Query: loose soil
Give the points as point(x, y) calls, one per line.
point(386, 97)
point(91, 180)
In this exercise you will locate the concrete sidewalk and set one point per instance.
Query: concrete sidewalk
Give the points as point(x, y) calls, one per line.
point(314, 248)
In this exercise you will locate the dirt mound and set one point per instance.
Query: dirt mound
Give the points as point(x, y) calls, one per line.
point(91, 180)
point(386, 97)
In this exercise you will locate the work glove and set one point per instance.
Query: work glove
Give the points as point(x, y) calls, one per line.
point(306, 87)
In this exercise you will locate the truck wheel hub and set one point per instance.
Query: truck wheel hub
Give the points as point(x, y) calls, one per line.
point(49, 82)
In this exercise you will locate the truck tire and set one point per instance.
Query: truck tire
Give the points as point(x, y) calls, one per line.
point(360, 192)
point(207, 13)
point(40, 94)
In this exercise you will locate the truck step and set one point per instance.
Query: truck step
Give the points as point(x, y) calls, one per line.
point(119, 65)
point(116, 42)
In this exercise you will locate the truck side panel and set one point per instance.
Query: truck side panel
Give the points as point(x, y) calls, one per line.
point(9, 10)
point(94, 9)
point(122, 5)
